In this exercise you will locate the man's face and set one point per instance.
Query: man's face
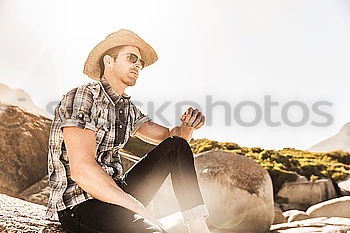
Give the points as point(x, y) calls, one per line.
point(125, 70)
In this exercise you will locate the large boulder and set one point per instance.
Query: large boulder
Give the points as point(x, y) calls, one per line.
point(237, 191)
point(308, 192)
point(23, 148)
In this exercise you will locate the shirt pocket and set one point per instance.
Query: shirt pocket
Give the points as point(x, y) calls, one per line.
point(103, 123)
point(100, 112)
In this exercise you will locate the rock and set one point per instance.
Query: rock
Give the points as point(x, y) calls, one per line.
point(237, 191)
point(23, 148)
point(338, 207)
point(295, 215)
point(340, 141)
point(279, 218)
point(344, 186)
point(308, 193)
point(37, 193)
point(20, 216)
point(293, 206)
point(312, 225)
point(301, 178)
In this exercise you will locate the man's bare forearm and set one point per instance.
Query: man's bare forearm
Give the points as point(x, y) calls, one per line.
point(182, 131)
point(101, 186)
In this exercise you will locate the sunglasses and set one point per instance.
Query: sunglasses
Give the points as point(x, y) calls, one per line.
point(133, 58)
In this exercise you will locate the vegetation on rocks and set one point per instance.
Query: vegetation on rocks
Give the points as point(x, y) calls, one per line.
point(283, 165)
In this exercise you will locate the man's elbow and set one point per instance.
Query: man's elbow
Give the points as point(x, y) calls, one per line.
point(75, 175)
point(78, 172)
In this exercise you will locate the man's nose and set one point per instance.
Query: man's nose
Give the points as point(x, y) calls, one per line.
point(138, 65)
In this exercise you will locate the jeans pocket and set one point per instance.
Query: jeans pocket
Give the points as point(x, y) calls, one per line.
point(65, 218)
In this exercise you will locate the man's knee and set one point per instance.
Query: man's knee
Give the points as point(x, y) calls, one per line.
point(177, 142)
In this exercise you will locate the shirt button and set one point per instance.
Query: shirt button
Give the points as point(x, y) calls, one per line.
point(80, 115)
point(121, 111)
point(120, 126)
point(121, 100)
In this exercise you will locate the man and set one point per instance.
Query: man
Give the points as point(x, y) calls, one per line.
point(89, 192)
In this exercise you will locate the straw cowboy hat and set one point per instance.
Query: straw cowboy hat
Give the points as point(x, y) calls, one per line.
point(121, 37)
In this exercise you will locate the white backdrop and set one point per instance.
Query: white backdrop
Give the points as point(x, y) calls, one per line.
point(229, 50)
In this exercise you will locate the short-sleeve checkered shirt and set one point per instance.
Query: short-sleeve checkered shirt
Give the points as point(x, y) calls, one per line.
point(98, 107)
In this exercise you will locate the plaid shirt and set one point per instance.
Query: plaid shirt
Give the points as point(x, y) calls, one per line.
point(114, 118)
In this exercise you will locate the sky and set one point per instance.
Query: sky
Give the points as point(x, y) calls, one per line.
point(270, 74)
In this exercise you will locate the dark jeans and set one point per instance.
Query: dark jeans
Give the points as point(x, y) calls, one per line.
point(172, 156)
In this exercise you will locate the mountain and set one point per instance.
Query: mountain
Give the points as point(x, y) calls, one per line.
point(19, 98)
point(340, 141)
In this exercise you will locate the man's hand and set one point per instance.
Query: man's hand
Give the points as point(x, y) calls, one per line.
point(152, 218)
point(192, 117)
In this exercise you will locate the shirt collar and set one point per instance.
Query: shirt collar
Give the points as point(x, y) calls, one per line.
point(111, 93)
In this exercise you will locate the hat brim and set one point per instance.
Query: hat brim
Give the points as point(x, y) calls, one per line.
point(119, 38)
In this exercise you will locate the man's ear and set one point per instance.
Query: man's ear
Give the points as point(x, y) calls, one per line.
point(107, 60)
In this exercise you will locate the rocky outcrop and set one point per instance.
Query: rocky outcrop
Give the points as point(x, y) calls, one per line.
point(21, 216)
point(23, 148)
point(340, 141)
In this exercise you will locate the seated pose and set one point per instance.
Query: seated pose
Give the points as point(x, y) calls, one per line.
point(88, 190)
